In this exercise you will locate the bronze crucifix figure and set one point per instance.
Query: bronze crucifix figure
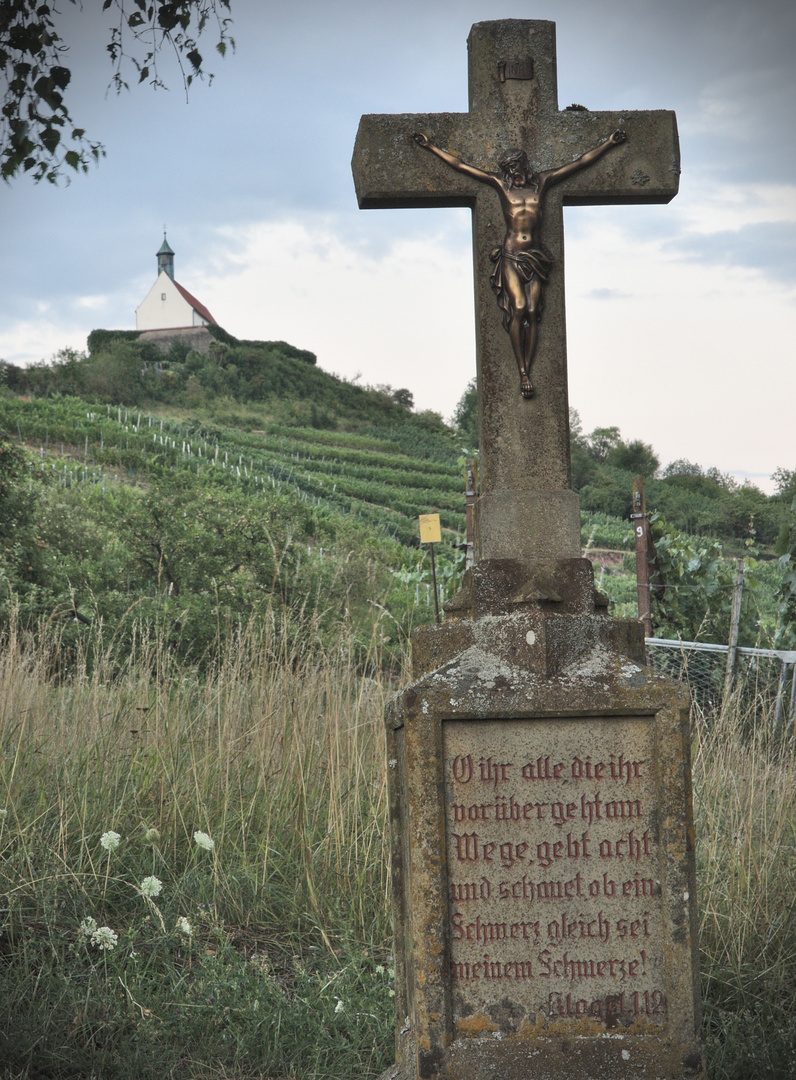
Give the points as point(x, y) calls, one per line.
point(522, 262)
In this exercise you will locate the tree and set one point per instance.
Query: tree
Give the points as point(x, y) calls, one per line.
point(602, 441)
point(582, 464)
point(37, 134)
point(636, 457)
point(465, 416)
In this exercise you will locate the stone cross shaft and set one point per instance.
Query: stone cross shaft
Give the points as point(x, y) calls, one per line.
point(526, 511)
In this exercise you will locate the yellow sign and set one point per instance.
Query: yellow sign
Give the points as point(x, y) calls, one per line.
point(429, 529)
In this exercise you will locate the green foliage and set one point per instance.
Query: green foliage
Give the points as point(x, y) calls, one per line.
point(191, 529)
point(602, 441)
point(693, 587)
point(99, 341)
point(635, 457)
point(281, 348)
point(699, 501)
point(785, 480)
point(786, 590)
point(465, 416)
point(603, 531)
point(37, 133)
point(22, 567)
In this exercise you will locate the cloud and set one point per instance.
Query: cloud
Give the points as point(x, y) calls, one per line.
point(401, 314)
point(27, 342)
point(608, 294)
point(768, 247)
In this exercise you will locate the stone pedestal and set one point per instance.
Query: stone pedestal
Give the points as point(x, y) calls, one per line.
point(542, 844)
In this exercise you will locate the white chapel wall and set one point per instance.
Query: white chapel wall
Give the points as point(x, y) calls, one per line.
point(163, 307)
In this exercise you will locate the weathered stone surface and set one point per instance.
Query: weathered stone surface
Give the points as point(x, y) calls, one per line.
point(543, 856)
point(492, 586)
point(195, 337)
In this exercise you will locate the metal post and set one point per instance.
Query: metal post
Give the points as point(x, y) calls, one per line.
point(641, 530)
point(430, 534)
point(779, 703)
point(735, 619)
point(470, 498)
point(434, 580)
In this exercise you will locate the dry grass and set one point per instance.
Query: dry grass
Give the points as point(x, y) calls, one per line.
point(278, 754)
point(744, 784)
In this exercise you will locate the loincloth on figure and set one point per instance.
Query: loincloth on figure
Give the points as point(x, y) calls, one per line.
point(528, 265)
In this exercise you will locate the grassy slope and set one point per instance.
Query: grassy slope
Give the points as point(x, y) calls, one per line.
point(385, 476)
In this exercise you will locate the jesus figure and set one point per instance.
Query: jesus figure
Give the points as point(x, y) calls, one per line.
point(522, 262)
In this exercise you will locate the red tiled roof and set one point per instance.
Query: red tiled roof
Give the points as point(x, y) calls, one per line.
point(195, 304)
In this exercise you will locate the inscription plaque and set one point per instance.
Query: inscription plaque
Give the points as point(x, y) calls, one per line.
point(554, 873)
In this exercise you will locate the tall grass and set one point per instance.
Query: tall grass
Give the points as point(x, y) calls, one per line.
point(744, 787)
point(267, 954)
point(277, 755)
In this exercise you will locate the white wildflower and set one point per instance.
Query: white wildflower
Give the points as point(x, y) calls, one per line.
point(151, 886)
point(339, 1006)
point(184, 926)
point(203, 841)
point(379, 969)
point(393, 763)
point(110, 840)
point(151, 836)
point(105, 938)
point(88, 926)
point(3, 813)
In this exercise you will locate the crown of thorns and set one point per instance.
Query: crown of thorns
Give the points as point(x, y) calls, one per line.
point(512, 157)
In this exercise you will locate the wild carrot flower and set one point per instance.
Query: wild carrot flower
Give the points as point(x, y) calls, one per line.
point(105, 938)
point(184, 926)
point(88, 926)
point(339, 1006)
point(151, 886)
point(203, 841)
point(110, 840)
point(151, 836)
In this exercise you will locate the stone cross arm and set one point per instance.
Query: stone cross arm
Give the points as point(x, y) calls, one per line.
point(391, 171)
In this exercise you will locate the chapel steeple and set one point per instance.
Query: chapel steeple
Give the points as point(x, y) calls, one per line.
point(166, 258)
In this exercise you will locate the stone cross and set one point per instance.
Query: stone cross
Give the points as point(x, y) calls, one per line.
point(526, 511)
point(540, 806)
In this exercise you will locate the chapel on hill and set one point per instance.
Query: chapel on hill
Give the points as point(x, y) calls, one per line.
point(168, 305)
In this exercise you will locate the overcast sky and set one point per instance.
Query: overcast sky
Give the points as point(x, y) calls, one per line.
point(681, 318)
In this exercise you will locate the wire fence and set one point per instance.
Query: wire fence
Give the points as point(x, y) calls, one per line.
point(763, 682)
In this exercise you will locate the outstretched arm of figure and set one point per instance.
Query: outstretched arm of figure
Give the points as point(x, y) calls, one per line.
point(615, 139)
point(455, 162)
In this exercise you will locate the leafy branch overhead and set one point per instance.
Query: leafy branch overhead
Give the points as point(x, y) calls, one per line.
point(37, 133)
